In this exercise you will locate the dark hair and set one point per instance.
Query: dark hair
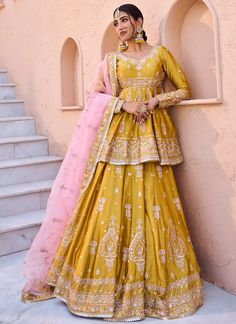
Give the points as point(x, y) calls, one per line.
point(133, 11)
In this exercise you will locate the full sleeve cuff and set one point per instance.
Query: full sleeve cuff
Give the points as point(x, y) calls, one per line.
point(118, 106)
point(173, 97)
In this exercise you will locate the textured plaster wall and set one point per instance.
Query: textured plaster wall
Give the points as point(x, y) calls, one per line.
point(31, 37)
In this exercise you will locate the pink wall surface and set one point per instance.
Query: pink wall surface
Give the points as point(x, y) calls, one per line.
point(32, 35)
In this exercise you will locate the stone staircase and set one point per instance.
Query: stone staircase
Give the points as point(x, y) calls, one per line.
point(26, 172)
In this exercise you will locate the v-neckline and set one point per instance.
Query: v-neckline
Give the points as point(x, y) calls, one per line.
point(137, 60)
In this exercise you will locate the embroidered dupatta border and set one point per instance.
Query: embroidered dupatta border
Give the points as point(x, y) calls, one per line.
point(103, 130)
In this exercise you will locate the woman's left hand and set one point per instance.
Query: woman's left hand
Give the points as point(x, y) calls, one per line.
point(150, 104)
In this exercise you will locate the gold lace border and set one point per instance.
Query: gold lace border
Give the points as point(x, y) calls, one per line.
point(122, 151)
point(130, 302)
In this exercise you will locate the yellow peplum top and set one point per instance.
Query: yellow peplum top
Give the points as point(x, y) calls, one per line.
point(155, 139)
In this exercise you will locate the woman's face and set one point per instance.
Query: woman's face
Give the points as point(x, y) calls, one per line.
point(123, 27)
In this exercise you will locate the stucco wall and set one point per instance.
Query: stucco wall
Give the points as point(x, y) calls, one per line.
point(32, 34)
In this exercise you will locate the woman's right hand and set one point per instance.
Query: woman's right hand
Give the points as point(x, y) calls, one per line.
point(132, 107)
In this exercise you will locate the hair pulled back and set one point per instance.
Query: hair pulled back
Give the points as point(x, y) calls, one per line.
point(133, 11)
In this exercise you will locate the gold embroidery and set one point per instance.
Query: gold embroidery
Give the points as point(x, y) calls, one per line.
point(139, 170)
point(118, 106)
point(125, 254)
point(101, 203)
point(159, 171)
point(69, 233)
point(172, 97)
point(156, 210)
point(104, 297)
point(92, 245)
point(177, 203)
point(176, 247)
point(135, 150)
point(137, 248)
point(128, 210)
point(163, 128)
point(109, 244)
point(112, 72)
point(118, 170)
point(143, 127)
point(169, 151)
point(162, 254)
point(138, 82)
point(97, 146)
point(122, 126)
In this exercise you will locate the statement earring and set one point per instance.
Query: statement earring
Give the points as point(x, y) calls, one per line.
point(139, 37)
point(123, 46)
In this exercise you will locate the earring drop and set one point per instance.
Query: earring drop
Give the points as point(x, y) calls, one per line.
point(139, 37)
point(123, 46)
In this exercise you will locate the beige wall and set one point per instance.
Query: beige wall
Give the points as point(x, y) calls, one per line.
point(32, 34)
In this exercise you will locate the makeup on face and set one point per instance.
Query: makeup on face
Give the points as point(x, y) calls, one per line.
point(123, 25)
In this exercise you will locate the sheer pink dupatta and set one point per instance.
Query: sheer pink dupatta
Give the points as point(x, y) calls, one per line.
point(66, 189)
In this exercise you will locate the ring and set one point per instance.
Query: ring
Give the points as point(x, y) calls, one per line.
point(143, 109)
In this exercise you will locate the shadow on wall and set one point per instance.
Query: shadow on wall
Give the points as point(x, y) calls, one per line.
point(190, 31)
point(207, 190)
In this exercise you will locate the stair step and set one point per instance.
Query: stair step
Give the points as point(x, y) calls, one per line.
point(24, 197)
point(16, 126)
point(11, 108)
point(11, 100)
point(29, 170)
point(18, 231)
point(20, 139)
point(7, 91)
point(23, 147)
point(15, 118)
point(7, 84)
point(3, 76)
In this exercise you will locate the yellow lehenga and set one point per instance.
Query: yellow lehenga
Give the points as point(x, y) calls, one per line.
point(126, 252)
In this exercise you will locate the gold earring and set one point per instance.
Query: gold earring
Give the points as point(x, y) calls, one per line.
point(123, 46)
point(139, 37)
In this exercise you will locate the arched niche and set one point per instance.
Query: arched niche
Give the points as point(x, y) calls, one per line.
point(110, 41)
point(190, 32)
point(71, 75)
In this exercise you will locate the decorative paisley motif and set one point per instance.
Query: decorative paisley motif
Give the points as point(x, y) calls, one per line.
point(109, 244)
point(176, 247)
point(137, 248)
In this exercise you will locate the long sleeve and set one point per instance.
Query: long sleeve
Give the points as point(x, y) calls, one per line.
point(98, 85)
point(177, 78)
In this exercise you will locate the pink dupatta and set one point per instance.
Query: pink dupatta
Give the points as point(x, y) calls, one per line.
point(72, 179)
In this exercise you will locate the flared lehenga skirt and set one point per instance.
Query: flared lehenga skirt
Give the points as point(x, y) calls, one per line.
point(126, 253)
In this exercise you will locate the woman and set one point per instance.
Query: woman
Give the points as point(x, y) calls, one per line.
point(114, 243)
